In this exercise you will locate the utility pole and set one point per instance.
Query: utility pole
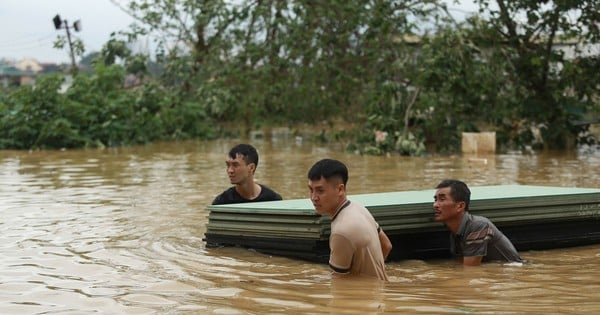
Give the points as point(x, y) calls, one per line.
point(58, 24)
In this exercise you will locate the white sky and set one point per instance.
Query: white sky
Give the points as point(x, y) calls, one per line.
point(27, 30)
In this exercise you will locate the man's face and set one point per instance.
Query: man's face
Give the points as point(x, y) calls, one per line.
point(444, 207)
point(237, 169)
point(326, 195)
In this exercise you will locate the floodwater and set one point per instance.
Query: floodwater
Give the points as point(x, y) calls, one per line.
point(119, 231)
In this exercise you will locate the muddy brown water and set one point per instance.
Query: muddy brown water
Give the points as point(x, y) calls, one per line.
point(119, 231)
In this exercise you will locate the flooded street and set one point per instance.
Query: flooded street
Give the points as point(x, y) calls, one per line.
point(119, 231)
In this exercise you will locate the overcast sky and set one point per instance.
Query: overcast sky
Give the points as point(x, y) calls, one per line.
point(27, 30)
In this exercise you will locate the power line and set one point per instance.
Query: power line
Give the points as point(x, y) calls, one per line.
point(25, 39)
point(13, 48)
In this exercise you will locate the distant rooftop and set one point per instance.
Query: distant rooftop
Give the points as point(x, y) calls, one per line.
point(11, 71)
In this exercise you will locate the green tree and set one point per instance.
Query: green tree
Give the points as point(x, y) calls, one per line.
point(279, 60)
point(86, 64)
point(504, 70)
point(465, 87)
point(395, 68)
point(526, 35)
point(34, 118)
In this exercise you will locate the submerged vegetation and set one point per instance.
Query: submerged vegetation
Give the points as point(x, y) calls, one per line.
point(405, 74)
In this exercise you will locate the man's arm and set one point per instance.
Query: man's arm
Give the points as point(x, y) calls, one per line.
point(472, 260)
point(342, 251)
point(386, 244)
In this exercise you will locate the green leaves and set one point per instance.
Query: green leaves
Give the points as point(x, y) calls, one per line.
point(396, 67)
point(96, 110)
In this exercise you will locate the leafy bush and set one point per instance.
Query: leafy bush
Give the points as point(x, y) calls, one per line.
point(96, 111)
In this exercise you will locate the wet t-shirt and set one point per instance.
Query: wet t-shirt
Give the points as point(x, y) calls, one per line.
point(478, 236)
point(354, 243)
point(232, 196)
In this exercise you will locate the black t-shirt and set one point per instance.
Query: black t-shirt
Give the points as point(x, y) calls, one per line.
point(232, 196)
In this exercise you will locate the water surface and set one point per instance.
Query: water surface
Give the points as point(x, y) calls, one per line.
point(119, 231)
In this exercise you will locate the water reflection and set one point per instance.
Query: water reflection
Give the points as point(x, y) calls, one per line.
point(120, 231)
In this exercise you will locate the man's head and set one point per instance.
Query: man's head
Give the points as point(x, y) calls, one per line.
point(247, 152)
point(329, 169)
point(241, 163)
point(451, 199)
point(327, 185)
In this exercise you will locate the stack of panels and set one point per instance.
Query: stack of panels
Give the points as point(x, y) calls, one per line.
point(533, 217)
point(287, 228)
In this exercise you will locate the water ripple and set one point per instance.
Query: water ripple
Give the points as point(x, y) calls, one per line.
point(119, 231)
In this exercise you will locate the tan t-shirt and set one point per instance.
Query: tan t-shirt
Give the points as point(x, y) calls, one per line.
point(354, 243)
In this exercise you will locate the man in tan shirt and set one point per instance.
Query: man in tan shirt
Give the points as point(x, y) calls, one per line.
point(358, 245)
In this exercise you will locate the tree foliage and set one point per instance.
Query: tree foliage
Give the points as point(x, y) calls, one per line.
point(507, 70)
point(530, 33)
point(404, 74)
point(527, 36)
point(288, 60)
point(96, 111)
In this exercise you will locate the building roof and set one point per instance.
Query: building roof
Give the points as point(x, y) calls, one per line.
point(10, 71)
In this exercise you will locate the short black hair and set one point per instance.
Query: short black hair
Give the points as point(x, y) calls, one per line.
point(248, 152)
point(328, 168)
point(458, 191)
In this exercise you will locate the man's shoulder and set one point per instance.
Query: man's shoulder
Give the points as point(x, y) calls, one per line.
point(359, 212)
point(358, 205)
point(354, 217)
point(266, 188)
point(476, 224)
point(269, 193)
point(478, 220)
point(228, 192)
point(227, 196)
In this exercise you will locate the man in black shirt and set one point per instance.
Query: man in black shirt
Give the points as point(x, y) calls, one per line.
point(241, 165)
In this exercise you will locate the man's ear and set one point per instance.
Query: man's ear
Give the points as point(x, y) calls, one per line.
point(252, 167)
point(461, 205)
